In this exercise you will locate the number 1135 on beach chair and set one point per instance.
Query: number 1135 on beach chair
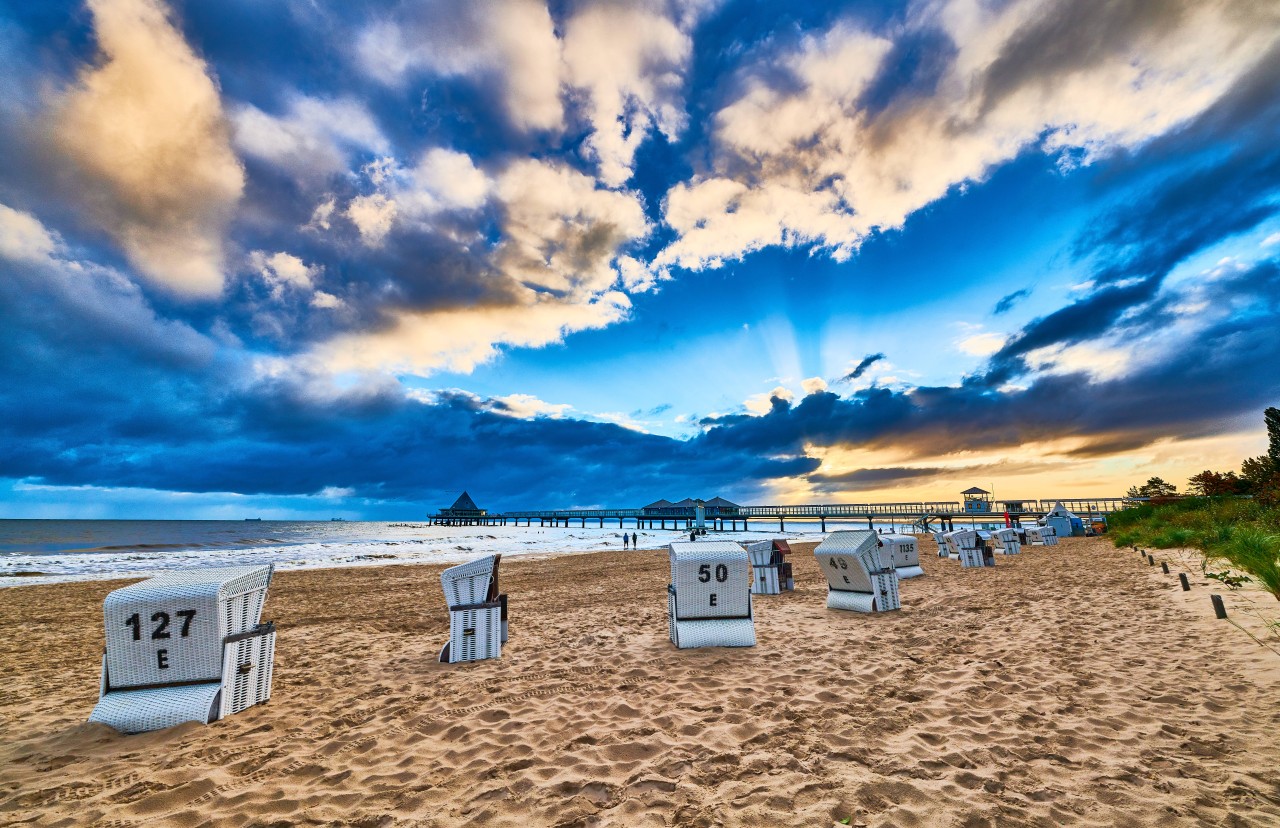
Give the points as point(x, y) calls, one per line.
point(709, 597)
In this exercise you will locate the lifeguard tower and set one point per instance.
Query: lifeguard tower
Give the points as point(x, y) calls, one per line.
point(976, 501)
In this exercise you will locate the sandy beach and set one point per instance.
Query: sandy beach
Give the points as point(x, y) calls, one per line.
point(1068, 686)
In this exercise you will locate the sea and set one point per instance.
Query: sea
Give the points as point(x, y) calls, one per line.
point(53, 551)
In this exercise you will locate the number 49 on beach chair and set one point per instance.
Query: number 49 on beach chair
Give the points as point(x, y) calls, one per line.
point(477, 611)
point(185, 647)
point(860, 575)
point(709, 597)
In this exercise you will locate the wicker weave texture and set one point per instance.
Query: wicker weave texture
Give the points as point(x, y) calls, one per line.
point(712, 580)
point(468, 583)
point(170, 628)
point(901, 550)
point(909, 572)
point(139, 711)
point(761, 553)
point(765, 579)
point(736, 632)
point(474, 634)
point(247, 667)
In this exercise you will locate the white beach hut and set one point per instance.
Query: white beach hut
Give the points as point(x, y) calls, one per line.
point(477, 611)
point(860, 576)
point(186, 646)
point(903, 553)
point(709, 597)
point(1006, 541)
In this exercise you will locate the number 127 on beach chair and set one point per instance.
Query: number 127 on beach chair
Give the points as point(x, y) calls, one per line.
point(185, 647)
point(709, 597)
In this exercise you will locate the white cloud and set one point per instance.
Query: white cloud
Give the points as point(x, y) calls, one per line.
point(320, 299)
point(813, 385)
point(23, 238)
point(313, 139)
point(763, 403)
point(981, 344)
point(513, 41)
point(145, 131)
point(1272, 240)
point(527, 406)
point(802, 160)
point(284, 271)
point(629, 61)
point(373, 216)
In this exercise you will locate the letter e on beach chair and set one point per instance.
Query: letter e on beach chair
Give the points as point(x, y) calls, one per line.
point(709, 597)
point(859, 574)
point(1006, 541)
point(185, 646)
point(903, 554)
point(477, 611)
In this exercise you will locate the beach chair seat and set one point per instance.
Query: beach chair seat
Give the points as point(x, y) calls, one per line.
point(186, 646)
point(477, 611)
point(968, 548)
point(709, 597)
point(903, 554)
point(1006, 541)
point(771, 573)
point(859, 575)
point(1042, 536)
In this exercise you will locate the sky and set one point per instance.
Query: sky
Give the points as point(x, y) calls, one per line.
point(300, 260)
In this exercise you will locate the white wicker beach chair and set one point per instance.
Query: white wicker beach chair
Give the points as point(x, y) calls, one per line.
point(860, 576)
point(709, 597)
point(477, 611)
point(940, 538)
point(185, 647)
point(1006, 541)
point(903, 555)
point(967, 546)
point(1042, 536)
point(770, 571)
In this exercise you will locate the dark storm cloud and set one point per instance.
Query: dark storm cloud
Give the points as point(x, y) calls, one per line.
point(1007, 302)
point(861, 367)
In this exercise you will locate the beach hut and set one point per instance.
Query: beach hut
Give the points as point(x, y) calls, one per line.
point(1064, 522)
point(966, 546)
point(903, 554)
point(1006, 541)
point(1041, 536)
point(770, 571)
point(859, 574)
point(976, 501)
point(709, 597)
point(187, 646)
point(477, 611)
point(463, 512)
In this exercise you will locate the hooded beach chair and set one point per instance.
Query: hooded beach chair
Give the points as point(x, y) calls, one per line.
point(709, 597)
point(1006, 541)
point(903, 554)
point(770, 572)
point(1042, 536)
point(940, 538)
point(968, 548)
point(477, 611)
point(186, 646)
point(860, 576)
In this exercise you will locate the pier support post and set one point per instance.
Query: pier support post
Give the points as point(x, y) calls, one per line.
point(782, 525)
point(824, 524)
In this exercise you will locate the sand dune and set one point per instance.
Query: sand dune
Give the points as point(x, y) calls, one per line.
point(1067, 686)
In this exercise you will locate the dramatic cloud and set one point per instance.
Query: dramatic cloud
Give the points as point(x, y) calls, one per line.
point(313, 140)
point(801, 160)
point(1007, 301)
point(144, 130)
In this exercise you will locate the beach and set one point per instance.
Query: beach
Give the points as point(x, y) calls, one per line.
point(1069, 685)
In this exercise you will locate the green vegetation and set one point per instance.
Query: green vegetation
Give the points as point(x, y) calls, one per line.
point(1235, 520)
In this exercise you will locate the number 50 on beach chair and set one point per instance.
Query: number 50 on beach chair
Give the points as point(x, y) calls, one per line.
point(185, 647)
point(709, 597)
point(477, 611)
point(860, 575)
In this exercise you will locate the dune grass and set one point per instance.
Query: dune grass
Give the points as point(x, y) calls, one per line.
point(1239, 532)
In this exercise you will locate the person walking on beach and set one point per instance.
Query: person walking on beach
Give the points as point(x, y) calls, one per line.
point(635, 541)
point(626, 541)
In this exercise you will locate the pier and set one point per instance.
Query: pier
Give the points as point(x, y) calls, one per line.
point(921, 516)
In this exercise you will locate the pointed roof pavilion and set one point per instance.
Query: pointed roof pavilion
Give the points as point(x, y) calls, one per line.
point(464, 505)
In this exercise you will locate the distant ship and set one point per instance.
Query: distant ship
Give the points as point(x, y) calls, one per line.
point(337, 520)
point(259, 520)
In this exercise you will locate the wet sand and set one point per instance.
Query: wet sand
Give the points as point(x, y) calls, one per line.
point(1068, 686)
